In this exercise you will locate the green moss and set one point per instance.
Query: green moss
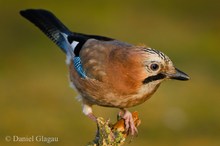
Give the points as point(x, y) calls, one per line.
point(106, 136)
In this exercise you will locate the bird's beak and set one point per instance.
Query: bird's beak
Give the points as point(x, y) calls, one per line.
point(179, 75)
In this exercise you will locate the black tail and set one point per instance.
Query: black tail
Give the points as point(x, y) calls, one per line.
point(57, 31)
point(49, 24)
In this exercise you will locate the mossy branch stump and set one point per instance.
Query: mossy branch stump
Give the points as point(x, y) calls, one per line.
point(112, 134)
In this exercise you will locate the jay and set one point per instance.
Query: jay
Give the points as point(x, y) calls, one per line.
point(106, 71)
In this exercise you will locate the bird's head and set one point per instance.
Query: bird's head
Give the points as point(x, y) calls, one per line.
point(140, 69)
point(159, 67)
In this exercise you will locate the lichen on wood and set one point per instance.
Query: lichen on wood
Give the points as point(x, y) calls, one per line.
point(112, 134)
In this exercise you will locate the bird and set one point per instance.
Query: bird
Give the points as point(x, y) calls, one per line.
point(106, 71)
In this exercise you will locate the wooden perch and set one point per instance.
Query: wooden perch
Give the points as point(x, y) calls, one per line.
point(112, 134)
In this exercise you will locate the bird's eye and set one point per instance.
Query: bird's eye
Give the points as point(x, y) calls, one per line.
point(154, 66)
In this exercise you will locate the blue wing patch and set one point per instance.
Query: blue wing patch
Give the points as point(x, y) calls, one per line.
point(61, 42)
point(78, 66)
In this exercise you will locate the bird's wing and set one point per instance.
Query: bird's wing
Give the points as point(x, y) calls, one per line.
point(96, 56)
point(114, 63)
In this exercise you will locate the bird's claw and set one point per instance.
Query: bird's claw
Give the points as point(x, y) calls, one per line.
point(129, 122)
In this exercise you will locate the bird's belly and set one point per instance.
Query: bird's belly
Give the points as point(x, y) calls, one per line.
point(119, 101)
point(109, 98)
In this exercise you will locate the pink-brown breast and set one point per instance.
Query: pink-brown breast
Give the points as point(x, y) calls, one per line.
point(114, 75)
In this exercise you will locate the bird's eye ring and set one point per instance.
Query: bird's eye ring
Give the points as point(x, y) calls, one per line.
point(154, 67)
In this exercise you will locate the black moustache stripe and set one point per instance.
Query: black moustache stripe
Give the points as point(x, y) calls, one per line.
point(154, 78)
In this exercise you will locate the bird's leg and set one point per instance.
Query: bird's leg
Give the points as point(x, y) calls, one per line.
point(87, 110)
point(129, 122)
point(92, 117)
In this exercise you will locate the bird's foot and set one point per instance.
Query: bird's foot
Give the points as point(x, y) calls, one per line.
point(129, 122)
point(92, 117)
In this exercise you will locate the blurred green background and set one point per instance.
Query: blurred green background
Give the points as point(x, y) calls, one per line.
point(35, 97)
